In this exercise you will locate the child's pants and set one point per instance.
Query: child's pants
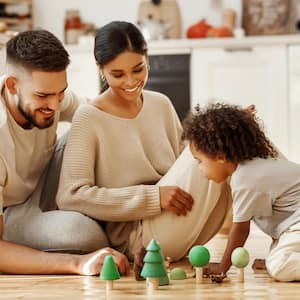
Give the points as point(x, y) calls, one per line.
point(283, 261)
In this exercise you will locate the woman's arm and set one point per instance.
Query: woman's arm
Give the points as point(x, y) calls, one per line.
point(78, 189)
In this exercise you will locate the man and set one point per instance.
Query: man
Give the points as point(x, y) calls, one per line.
point(34, 97)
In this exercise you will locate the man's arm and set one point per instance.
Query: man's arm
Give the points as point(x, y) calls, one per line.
point(18, 259)
point(237, 237)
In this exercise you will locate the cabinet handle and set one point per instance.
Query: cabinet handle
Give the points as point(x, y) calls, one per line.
point(239, 49)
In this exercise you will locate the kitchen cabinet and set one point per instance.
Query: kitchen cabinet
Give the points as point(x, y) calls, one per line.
point(294, 103)
point(244, 76)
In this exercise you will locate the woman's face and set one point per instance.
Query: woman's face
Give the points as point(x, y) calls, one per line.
point(126, 75)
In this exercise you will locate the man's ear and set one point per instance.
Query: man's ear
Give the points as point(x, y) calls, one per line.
point(11, 83)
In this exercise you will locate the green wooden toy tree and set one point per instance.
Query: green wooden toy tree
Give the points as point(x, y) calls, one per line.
point(154, 265)
point(199, 257)
point(109, 272)
point(240, 259)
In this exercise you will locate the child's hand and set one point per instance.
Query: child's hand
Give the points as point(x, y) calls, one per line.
point(212, 269)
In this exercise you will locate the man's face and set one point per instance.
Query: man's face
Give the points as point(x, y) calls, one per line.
point(39, 95)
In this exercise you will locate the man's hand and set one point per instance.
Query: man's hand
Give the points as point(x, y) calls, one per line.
point(91, 264)
point(175, 200)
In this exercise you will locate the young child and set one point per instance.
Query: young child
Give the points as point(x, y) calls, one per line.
point(228, 141)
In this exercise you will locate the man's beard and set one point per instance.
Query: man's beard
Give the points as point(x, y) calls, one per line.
point(31, 122)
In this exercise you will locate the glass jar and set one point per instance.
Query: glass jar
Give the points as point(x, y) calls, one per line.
point(73, 26)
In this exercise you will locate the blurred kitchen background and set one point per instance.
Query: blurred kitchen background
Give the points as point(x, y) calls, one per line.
point(238, 51)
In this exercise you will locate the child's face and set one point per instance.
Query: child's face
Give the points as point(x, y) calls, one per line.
point(215, 169)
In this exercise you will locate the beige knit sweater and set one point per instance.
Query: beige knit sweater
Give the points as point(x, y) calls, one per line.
point(111, 164)
point(24, 153)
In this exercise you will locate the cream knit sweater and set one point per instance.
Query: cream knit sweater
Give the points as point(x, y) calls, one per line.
point(111, 164)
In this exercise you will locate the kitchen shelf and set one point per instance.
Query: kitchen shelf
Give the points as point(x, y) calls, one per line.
point(29, 2)
point(21, 22)
point(10, 21)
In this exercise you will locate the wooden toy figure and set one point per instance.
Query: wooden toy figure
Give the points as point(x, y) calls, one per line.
point(240, 259)
point(154, 265)
point(109, 272)
point(199, 257)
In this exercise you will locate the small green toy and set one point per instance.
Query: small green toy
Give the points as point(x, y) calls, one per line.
point(199, 257)
point(240, 259)
point(177, 274)
point(109, 272)
point(154, 267)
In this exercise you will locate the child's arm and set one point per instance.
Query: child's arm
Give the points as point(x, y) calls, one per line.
point(237, 237)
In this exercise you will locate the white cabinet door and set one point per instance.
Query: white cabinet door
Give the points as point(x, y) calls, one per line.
point(294, 105)
point(245, 76)
point(83, 75)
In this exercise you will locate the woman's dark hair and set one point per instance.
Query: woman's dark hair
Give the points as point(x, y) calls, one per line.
point(116, 37)
point(227, 131)
point(37, 50)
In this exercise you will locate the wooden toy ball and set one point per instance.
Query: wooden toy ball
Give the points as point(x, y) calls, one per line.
point(199, 256)
point(240, 257)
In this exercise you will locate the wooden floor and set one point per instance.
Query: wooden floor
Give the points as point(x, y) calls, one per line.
point(256, 285)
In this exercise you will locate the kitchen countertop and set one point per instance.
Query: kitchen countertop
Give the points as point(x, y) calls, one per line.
point(175, 46)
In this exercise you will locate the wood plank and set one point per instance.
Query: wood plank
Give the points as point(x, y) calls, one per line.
point(256, 286)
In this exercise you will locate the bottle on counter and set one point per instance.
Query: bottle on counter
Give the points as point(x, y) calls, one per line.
point(73, 27)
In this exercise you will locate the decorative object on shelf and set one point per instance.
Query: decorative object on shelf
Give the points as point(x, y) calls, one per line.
point(229, 18)
point(198, 30)
point(73, 26)
point(164, 14)
point(269, 17)
point(154, 30)
point(17, 14)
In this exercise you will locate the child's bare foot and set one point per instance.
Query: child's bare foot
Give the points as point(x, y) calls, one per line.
point(138, 264)
point(259, 264)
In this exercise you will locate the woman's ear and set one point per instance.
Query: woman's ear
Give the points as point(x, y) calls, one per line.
point(101, 73)
point(10, 84)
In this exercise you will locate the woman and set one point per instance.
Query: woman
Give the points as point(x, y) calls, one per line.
point(117, 161)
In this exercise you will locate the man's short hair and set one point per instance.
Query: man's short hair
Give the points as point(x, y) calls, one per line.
point(37, 50)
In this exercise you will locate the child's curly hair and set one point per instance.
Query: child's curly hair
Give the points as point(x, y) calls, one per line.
point(228, 131)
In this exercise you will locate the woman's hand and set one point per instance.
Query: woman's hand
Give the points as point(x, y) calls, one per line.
point(175, 200)
point(91, 264)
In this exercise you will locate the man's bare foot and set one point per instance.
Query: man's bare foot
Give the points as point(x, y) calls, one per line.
point(138, 264)
point(259, 264)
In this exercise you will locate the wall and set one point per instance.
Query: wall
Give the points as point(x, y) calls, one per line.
point(50, 14)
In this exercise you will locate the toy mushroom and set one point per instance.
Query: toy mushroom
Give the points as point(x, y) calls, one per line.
point(199, 257)
point(240, 259)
